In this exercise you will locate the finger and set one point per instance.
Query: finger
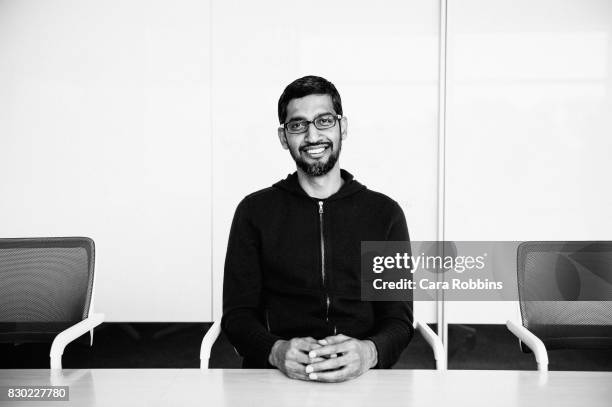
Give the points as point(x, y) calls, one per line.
point(315, 360)
point(331, 340)
point(333, 355)
point(298, 356)
point(305, 345)
point(330, 349)
point(328, 364)
point(332, 376)
point(323, 342)
point(296, 370)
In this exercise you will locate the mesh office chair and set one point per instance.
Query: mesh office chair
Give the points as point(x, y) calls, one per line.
point(46, 291)
point(565, 297)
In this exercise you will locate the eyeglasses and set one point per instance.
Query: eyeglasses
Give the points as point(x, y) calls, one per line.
point(321, 122)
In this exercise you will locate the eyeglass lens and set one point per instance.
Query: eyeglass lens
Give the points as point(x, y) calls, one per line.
point(325, 121)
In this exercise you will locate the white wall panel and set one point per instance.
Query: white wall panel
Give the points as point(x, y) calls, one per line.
point(528, 126)
point(105, 132)
point(383, 61)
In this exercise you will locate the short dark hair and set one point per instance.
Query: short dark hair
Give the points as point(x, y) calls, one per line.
point(308, 85)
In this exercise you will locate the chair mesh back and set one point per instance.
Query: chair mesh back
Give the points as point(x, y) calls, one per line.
point(45, 283)
point(565, 293)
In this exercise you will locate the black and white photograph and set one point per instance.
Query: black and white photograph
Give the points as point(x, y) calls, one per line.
point(229, 203)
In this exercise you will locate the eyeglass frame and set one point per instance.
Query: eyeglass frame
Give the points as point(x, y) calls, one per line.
point(337, 117)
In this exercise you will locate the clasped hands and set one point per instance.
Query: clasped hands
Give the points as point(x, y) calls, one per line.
point(333, 359)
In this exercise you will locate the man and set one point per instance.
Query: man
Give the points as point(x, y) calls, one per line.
point(291, 294)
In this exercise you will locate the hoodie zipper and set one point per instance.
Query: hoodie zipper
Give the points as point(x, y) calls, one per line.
point(323, 276)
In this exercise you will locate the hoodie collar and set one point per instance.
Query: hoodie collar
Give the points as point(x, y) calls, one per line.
point(350, 186)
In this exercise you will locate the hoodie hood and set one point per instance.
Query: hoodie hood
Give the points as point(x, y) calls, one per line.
point(350, 186)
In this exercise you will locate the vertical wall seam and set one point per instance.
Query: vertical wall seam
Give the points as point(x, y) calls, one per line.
point(441, 203)
point(211, 157)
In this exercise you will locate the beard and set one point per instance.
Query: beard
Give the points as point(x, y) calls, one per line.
point(319, 167)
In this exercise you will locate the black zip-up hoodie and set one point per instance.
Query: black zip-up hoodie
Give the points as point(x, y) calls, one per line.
point(292, 269)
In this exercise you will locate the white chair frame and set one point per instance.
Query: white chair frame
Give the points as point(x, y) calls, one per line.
point(430, 337)
point(527, 337)
point(70, 334)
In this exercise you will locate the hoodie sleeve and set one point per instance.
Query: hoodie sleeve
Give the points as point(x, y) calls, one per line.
point(394, 328)
point(242, 313)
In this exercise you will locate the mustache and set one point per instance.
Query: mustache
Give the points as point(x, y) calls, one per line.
point(323, 144)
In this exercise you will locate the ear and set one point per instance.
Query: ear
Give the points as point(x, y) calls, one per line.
point(343, 128)
point(282, 138)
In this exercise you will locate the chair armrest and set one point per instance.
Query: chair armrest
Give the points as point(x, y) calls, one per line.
point(435, 342)
point(68, 335)
point(432, 339)
point(207, 343)
point(533, 342)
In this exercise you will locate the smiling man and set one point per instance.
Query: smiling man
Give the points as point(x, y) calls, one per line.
point(291, 294)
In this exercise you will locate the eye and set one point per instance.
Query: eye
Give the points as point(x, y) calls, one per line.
point(294, 126)
point(327, 120)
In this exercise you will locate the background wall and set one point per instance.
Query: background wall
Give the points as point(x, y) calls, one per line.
point(105, 132)
point(143, 123)
point(528, 126)
point(384, 62)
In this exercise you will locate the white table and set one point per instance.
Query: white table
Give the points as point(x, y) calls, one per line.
point(269, 388)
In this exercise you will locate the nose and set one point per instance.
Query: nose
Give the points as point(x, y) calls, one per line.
point(312, 133)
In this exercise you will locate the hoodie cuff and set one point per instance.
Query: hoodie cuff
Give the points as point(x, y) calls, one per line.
point(390, 343)
point(262, 344)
